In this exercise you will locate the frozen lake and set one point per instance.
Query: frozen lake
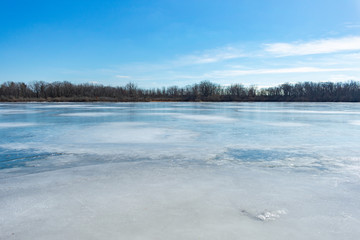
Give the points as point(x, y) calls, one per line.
point(180, 171)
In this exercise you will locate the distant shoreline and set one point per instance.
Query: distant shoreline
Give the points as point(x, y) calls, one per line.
point(204, 91)
point(150, 101)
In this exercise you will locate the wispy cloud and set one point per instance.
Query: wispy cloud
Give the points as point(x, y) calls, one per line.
point(94, 82)
point(235, 73)
point(121, 76)
point(210, 56)
point(314, 47)
point(352, 25)
point(343, 78)
point(246, 63)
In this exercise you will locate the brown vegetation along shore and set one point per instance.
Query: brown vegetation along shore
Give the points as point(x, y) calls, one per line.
point(203, 91)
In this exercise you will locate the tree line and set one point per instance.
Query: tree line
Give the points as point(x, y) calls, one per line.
point(203, 91)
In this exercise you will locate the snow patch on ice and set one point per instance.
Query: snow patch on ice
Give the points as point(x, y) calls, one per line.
point(88, 114)
point(356, 122)
point(14, 111)
point(206, 118)
point(16, 124)
point(288, 124)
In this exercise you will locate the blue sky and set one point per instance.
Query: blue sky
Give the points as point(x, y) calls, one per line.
point(163, 43)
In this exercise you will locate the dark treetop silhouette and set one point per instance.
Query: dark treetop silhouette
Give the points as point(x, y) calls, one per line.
point(203, 91)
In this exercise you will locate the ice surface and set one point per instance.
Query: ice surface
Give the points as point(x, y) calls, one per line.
point(79, 106)
point(180, 171)
point(15, 124)
point(287, 124)
point(14, 111)
point(206, 118)
point(196, 117)
point(60, 105)
point(301, 111)
point(87, 114)
point(356, 123)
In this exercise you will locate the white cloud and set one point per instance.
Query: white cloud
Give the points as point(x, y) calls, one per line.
point(94, 82)
point(342, 78)
point(351, 26)
point(211, 56)
point(121, 76)
point(314, 47)
point(351, 56)
point(234, 73)
point(229, 63)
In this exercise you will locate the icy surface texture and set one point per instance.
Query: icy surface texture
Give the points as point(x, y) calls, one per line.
point(180, 171)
